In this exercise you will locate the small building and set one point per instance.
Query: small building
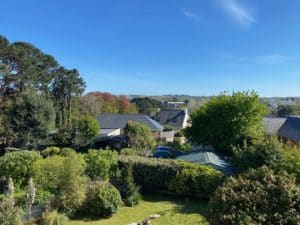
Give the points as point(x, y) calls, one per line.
point(208, 157)
point(273, 124)
point(110, 132)
point(176, 105)
point(110, 122)
point(287, 128)
point(290, 130)
point(178, 119)
point(167, 136)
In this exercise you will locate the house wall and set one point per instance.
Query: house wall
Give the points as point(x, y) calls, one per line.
point(186, 119)
point(286, 140)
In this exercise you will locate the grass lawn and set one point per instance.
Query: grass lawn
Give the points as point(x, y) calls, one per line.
point(173, 211)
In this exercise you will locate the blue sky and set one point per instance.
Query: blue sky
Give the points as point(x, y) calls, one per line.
point(196, 47)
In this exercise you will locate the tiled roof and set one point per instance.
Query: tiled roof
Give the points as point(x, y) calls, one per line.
point(291, 128)
point(174, 118)
point(208, 157)
point(273, 123)
point(113, 121)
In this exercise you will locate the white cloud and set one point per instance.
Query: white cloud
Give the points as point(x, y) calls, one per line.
point(189, 14)
point(238, 12)
point(273, 58)
point(264, 59)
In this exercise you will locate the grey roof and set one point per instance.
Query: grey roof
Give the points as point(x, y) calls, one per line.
point(208, 157)
point(174, 118)
point(291, 128)
point(113, 121)
point(273, 124)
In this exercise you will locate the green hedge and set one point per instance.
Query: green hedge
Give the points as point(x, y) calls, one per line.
point(173, 175)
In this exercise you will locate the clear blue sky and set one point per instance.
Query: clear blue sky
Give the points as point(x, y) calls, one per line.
point(196, 47)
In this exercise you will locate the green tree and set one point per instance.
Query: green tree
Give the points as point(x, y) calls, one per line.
point(23, 67)
point(88, 127)
point(65, 136)
point(147, 105)
point(227, 120)
point(284, 110)
point(67, 84)
point(258, 197)
point(139, 137)
point(31, 117)
point(99, 163)
point(28, 66)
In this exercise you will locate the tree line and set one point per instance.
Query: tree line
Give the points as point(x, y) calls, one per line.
point(41, 101)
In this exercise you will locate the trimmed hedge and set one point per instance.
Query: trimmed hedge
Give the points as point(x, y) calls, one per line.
point(176, 176)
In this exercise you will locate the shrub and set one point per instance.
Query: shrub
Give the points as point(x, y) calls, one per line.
point(161, 175)
point(185, 147)
point(66, 152)
point(47, 173)
point(168, 128)
point(258, 197)
point(266, 152)
point(50, 151)
point(129, 151)
point(103, 199)
point(64, 177)
point(54, 218)
point(88, 127)
point(199, 180)
point(18, 166)
point(99, 163)
point(127, 187)
point(44, 197)
point(179, 133)
point(72, 183)
point(139, 137)
point(291, 161)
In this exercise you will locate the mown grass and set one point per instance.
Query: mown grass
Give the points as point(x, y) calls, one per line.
point(173, 211)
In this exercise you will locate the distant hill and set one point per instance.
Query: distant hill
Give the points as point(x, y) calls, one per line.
point(196, 101)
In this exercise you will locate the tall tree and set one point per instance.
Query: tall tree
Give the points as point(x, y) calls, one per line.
point(28, 66)
point(228, 120)
point(66, 84)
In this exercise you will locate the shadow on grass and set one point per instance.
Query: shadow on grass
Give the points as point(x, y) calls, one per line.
point(179, 205)
point(184, 205)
